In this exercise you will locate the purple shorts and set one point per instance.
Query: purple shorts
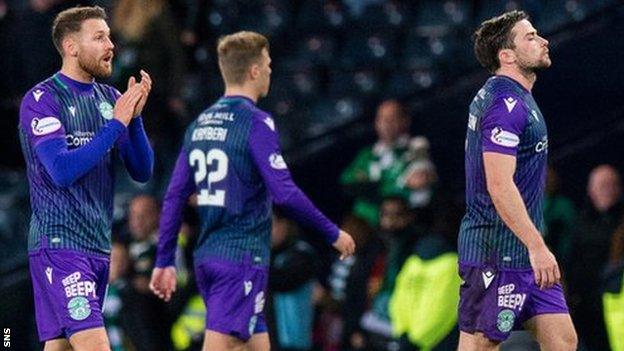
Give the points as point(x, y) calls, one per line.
point(234, 294)
point(69, 288)
point(496, 302)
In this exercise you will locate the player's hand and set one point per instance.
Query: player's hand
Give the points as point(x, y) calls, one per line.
point(125, 105)
point(544, 266)
point(163, 282)
point(146, 86)
point(344, 244)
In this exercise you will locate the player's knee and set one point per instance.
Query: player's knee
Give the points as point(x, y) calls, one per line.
point(482, 343)
point(568, 341)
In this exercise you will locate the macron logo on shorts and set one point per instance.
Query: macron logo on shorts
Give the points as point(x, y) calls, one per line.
point(488, 276)
point(48, 273)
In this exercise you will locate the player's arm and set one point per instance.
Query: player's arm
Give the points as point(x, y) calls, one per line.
point(501, 129)
point(39, 118)
point(265, 151)
point(181, 186)
point(134, 147)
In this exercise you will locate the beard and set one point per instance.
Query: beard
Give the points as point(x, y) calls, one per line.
point(94, 67)
point(534, 66)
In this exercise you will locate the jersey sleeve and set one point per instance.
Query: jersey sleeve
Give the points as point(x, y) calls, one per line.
point(180, 188)
point(502, 124)
point(134, 148)
point(266, 153)
point(40, 117)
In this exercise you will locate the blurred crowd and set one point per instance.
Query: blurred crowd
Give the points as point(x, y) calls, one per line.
point(400, 290)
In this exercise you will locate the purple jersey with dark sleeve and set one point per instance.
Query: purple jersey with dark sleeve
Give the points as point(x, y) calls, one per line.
point(231, 159)
point(504, 118)
point(67, 132)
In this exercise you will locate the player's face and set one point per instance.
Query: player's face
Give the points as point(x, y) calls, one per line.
point(265, 73)
point(95, 48)
point(531, 50)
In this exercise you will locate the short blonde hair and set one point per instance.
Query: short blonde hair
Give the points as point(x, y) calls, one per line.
point(237, 52)
point(70, 21)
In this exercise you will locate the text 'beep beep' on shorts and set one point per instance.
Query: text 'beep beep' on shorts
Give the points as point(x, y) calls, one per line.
point(496, 302)
point(69, 289)
point(234, 294)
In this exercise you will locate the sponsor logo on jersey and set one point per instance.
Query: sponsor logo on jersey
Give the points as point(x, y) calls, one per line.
point(78, 138)
point(504, 138)
point(510, 103)
point(44, 126)
point(277, 161)
point(215, 118)
point(106, 110)
point(542, 145)
point(37, 94)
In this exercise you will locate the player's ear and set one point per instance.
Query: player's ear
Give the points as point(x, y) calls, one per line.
point(70, 46)
point(254, 71)
point(506, 56)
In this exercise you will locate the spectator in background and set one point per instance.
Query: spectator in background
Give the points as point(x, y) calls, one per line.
point(291, 285)
point(348, 282)
point(146, 319)
point(375, 171)
point(559, 215)
point(147, 37)
point(613, 297)
point(423, 306)
point(591, 244)
point(120, 262)
point(398, 232)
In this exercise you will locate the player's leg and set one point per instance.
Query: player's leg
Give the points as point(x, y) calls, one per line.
point(94, 339)
point(259, 342)
point(554, 332)
point(216, 341)
point(548, 319)
point(57, 345)
point(476, 342)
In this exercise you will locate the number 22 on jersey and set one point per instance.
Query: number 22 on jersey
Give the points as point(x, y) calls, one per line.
point(200, 160)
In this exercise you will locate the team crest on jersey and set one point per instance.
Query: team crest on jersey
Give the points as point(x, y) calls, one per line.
point(79, 308)
point(505, 321)
point(106, 109)
point(504, 138)
point(44, 126)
